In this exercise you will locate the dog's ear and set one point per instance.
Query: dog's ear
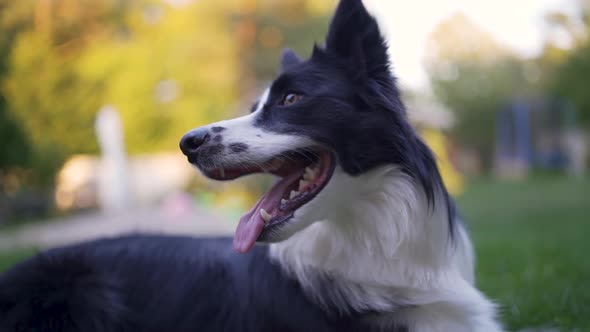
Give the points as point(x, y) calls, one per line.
point(288, 59)
point(354, 34)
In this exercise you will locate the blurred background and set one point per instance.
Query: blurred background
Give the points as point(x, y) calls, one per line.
point(95, 95)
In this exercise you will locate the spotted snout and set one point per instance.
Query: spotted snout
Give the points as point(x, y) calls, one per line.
point(204, 145)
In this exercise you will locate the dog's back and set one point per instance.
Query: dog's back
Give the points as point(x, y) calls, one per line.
point(156, 283)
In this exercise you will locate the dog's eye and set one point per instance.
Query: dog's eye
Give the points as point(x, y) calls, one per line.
point(290, 99)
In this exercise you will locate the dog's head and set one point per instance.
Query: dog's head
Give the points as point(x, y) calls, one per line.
point(336, 114)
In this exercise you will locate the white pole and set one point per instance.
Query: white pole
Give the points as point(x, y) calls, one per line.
point(113, 180)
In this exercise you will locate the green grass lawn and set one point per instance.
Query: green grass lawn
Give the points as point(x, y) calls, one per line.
point(532, 248)
point(533, 256)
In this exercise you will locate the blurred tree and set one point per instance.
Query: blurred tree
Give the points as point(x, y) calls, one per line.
point(37, 69)
point(264, 27)
point(13, 143)
point(571, 83)
point(158, 62)
point(175, 69)
point(474, 76)
point(292, 24)
point(571, 71)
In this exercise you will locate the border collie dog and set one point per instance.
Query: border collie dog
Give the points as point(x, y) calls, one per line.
point(357, 234)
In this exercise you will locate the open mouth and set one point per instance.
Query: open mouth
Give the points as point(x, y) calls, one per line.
point(302, 176)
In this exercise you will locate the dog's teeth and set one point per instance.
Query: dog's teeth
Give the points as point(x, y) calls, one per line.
point(293, 194)
point(265, 216)
point(222, 172)
point(302, 184)
point(284, 201)
point(309, 174)
point(316, 171)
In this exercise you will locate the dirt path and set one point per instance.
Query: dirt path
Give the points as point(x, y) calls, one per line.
point(94, 225)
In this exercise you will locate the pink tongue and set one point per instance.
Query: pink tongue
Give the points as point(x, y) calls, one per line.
point(251, 224)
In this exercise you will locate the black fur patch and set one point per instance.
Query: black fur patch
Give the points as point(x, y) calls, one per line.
point(217, 129)
point(211, 150)
point(254, 107)
point(158, 283)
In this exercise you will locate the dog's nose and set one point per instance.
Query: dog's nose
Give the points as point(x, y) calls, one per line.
point(191, 141)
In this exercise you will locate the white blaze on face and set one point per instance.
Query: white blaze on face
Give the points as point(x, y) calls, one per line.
point(262, 101)
point(262, 145)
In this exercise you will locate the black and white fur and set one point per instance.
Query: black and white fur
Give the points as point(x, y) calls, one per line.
point(379, 249)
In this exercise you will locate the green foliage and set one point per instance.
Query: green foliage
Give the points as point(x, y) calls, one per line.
point(570, 80)
point(166, 70)
point(285, 25)
point(476, 94)
point(54, 122)
point(13, 142)
point(475, 77)
point(174, 74)
point(572, 83)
